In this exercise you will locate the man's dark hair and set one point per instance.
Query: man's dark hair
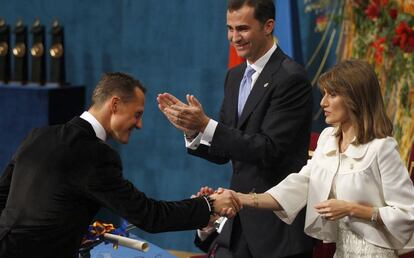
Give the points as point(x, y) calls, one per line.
point(263, 9)
point(117, 83)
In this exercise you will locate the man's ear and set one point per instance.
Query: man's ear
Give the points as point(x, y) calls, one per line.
point(269, 26)
point(114, 104)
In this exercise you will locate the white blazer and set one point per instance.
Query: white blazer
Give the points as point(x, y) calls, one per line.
point(371, 173)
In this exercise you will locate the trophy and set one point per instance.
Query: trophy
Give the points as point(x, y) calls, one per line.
point(57, 63)
point(4, 51)
point(38, 53)
point(19, 53)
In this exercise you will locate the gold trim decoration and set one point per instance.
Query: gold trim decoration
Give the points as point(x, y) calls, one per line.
point(4, 48)
point(19, 50)
point(324, 58)
point(56, 51)
point(37, 50)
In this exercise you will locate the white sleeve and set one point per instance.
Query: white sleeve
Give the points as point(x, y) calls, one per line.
point(292, 194)
point(398, 191)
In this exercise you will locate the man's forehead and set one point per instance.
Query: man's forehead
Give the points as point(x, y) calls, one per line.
point(240, 14)
point(139, 94)
point(138, 105)
point(243, 9)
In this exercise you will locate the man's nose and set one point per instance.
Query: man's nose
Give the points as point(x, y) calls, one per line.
point(235, 36)
point(138, 124)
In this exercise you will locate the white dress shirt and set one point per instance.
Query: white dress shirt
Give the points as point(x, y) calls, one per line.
point(206, 137)
point(97, 127)
point(371, 173)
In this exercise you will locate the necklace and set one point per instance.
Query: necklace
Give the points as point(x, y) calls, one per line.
point(344, 145)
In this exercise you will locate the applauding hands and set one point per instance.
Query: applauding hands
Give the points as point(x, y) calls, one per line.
point(189, 118)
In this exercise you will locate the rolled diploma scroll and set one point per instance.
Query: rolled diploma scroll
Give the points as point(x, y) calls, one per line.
point(127, 242)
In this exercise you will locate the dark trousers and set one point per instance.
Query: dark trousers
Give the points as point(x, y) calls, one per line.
point(239, 247)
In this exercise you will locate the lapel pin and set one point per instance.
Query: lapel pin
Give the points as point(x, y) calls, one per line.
point(266, 84)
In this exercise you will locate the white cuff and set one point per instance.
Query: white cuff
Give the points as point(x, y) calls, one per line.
point(194, 143)
point(222, 222)
point(208, 134)
point(203, 233)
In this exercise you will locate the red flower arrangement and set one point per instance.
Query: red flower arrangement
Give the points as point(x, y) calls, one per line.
point(404, 37)
point(393, 12)
point(379, 49)
point(373, 10)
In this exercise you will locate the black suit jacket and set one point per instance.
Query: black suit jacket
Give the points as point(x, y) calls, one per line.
point(268, 142)
point(216, 245)
point(56, 182)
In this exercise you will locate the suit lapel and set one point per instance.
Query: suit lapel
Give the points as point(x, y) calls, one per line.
point(262, 84)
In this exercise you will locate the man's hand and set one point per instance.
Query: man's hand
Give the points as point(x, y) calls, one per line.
point(205, 190)
point(190, 118)
point(165, 100)
point(226, 203)
point(207, 230)
point(226, 211)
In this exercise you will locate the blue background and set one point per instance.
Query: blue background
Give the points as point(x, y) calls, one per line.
point(176, 46)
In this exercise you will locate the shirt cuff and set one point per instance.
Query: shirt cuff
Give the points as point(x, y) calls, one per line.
point(208, 134)
point(194, 143)
point(222, 222)
point(204, 233)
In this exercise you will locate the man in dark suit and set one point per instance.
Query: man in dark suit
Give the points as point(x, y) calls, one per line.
point(61, 175)
point(264, 130)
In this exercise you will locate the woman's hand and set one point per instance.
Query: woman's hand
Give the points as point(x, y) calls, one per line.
point(333, 209)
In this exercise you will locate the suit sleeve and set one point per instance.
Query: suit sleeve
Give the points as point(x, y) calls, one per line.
point(6, 177)
point(289, 106)
point(107, 186)
point(205, 245)
point(5, 181)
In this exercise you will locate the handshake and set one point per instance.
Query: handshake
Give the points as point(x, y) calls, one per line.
point(225, 202)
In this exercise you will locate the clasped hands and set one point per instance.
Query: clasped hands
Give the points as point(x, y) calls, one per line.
point(189, 118)
point(226, 203)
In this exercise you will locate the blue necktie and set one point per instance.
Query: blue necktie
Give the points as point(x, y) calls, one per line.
point(245, 88)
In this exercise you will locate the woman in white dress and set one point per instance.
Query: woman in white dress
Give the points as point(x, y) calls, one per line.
point(357, 189)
